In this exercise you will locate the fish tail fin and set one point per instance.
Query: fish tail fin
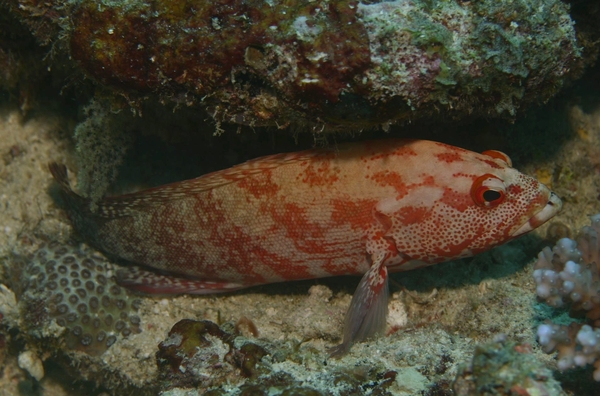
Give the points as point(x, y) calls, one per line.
point(73, 201)
point(78, 208)
point(61, 176)
point(367, 314)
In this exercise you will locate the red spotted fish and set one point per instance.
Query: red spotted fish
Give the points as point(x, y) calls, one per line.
point(359, 209)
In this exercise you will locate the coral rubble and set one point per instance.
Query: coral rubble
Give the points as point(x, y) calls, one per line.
point(568, 275)
point(199, 357)
point(193, 349)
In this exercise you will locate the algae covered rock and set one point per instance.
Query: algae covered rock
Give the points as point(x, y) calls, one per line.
point(505, 368)
point(332, 62)
point(325, 64)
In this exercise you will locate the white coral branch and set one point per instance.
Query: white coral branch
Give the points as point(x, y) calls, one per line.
point(568, 274)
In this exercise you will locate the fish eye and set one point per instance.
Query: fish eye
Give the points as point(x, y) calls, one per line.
point(491, 195)
point(488, 191)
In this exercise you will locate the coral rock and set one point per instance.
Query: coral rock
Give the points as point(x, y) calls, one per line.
point(329, 63)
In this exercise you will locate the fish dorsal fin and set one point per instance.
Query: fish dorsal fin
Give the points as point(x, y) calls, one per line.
point(123, 205)
point(250, 168)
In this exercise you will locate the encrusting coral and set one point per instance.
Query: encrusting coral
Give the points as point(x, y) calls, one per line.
point(568, 275)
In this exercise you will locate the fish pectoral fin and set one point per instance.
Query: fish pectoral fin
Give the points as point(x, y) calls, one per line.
point(141, 280)
point(367, 314)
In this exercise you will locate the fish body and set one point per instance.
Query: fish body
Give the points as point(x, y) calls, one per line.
point(359, 209)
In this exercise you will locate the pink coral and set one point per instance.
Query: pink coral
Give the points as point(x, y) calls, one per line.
point(568, 275)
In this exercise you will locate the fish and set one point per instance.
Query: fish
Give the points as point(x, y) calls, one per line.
point(365, 209)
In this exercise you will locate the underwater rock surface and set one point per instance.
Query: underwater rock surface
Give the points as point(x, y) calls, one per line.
point(321, 64)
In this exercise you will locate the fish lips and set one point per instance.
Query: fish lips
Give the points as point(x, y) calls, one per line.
point(553, 206)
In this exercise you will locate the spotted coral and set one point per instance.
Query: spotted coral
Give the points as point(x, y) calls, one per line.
point(568, 275)
point(69, 294)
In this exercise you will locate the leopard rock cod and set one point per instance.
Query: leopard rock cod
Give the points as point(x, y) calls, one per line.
point(359, 209)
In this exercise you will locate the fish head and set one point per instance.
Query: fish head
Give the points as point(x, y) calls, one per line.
point(462, 203)
point(511, 202)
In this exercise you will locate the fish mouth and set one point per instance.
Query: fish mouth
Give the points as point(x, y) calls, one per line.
point(553, 206)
